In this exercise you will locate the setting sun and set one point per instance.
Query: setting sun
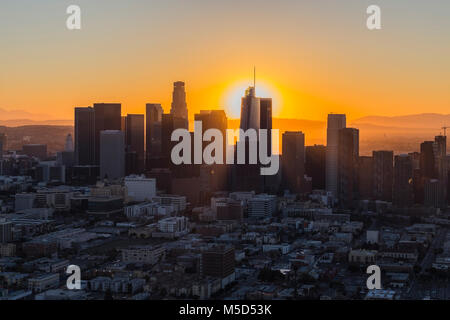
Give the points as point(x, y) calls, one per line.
point(233, 94)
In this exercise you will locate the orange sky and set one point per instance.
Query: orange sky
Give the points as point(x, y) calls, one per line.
point(313, 58)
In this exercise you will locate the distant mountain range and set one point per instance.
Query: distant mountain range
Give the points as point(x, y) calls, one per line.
point(22, 114)
point(423, 120)
point(399, 133)
point(28, 122)
point(53, 136)
point(15, 118)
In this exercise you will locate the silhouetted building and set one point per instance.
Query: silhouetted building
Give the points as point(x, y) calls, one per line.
point(417, 180)
point(335, 123)
point(65, 158)
point(403, 179)
point(427, 165)
point(6, 234)
point(216, 174)
point(383, 175)
point(348, 154)
point(153, 134)
point(169, 124)
point(84, 136)
point(365, 177)
point(415, 158)
point(112, 154)
point(433, 166)
point(179, 106)
point(433, 194)
point(213, 119)
point(218, 262)
point(3, 143)
point(265, 120)
point(123, 120)
point(315, 165)
point(134, 139)
point(131, 160)
point(440, 154)
point(448, 178)
point(293, 161)
point(427, 170)
point(250, 110)
point(84, 175)
point(35, 150)
point(107, 117)
point(247, 177)
point(163, 178)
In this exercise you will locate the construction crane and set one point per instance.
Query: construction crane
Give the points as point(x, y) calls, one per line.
point(445, 130)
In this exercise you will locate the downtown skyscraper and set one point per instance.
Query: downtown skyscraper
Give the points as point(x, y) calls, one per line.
point(403, 196)
point(134, 141)
point(335, 123)
point(265, 120)
point(153, 133)
point(112, 154)
point(293, 161)
point(179, 105)
point(84, 136)
point(107, 117)
point(348, 156)
point(256, 114)
point(250, 110)
point(315, 163)
point(383, 175)
point(440, 154)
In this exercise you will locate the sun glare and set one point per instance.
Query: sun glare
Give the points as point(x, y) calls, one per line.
point(232, 96)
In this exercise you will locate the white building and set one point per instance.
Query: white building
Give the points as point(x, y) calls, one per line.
point(143, 254)
point(173, 225)
point(140, 188)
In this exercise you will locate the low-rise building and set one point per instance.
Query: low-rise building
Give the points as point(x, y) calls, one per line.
point(43, 282)
point(143, 254)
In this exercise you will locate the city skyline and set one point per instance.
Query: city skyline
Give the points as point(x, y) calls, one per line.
point(224, 158)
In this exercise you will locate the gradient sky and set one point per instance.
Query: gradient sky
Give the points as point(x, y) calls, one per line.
point(313, 57)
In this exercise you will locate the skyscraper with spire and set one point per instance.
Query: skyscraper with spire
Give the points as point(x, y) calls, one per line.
point(256, 114)
point(250, 110)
